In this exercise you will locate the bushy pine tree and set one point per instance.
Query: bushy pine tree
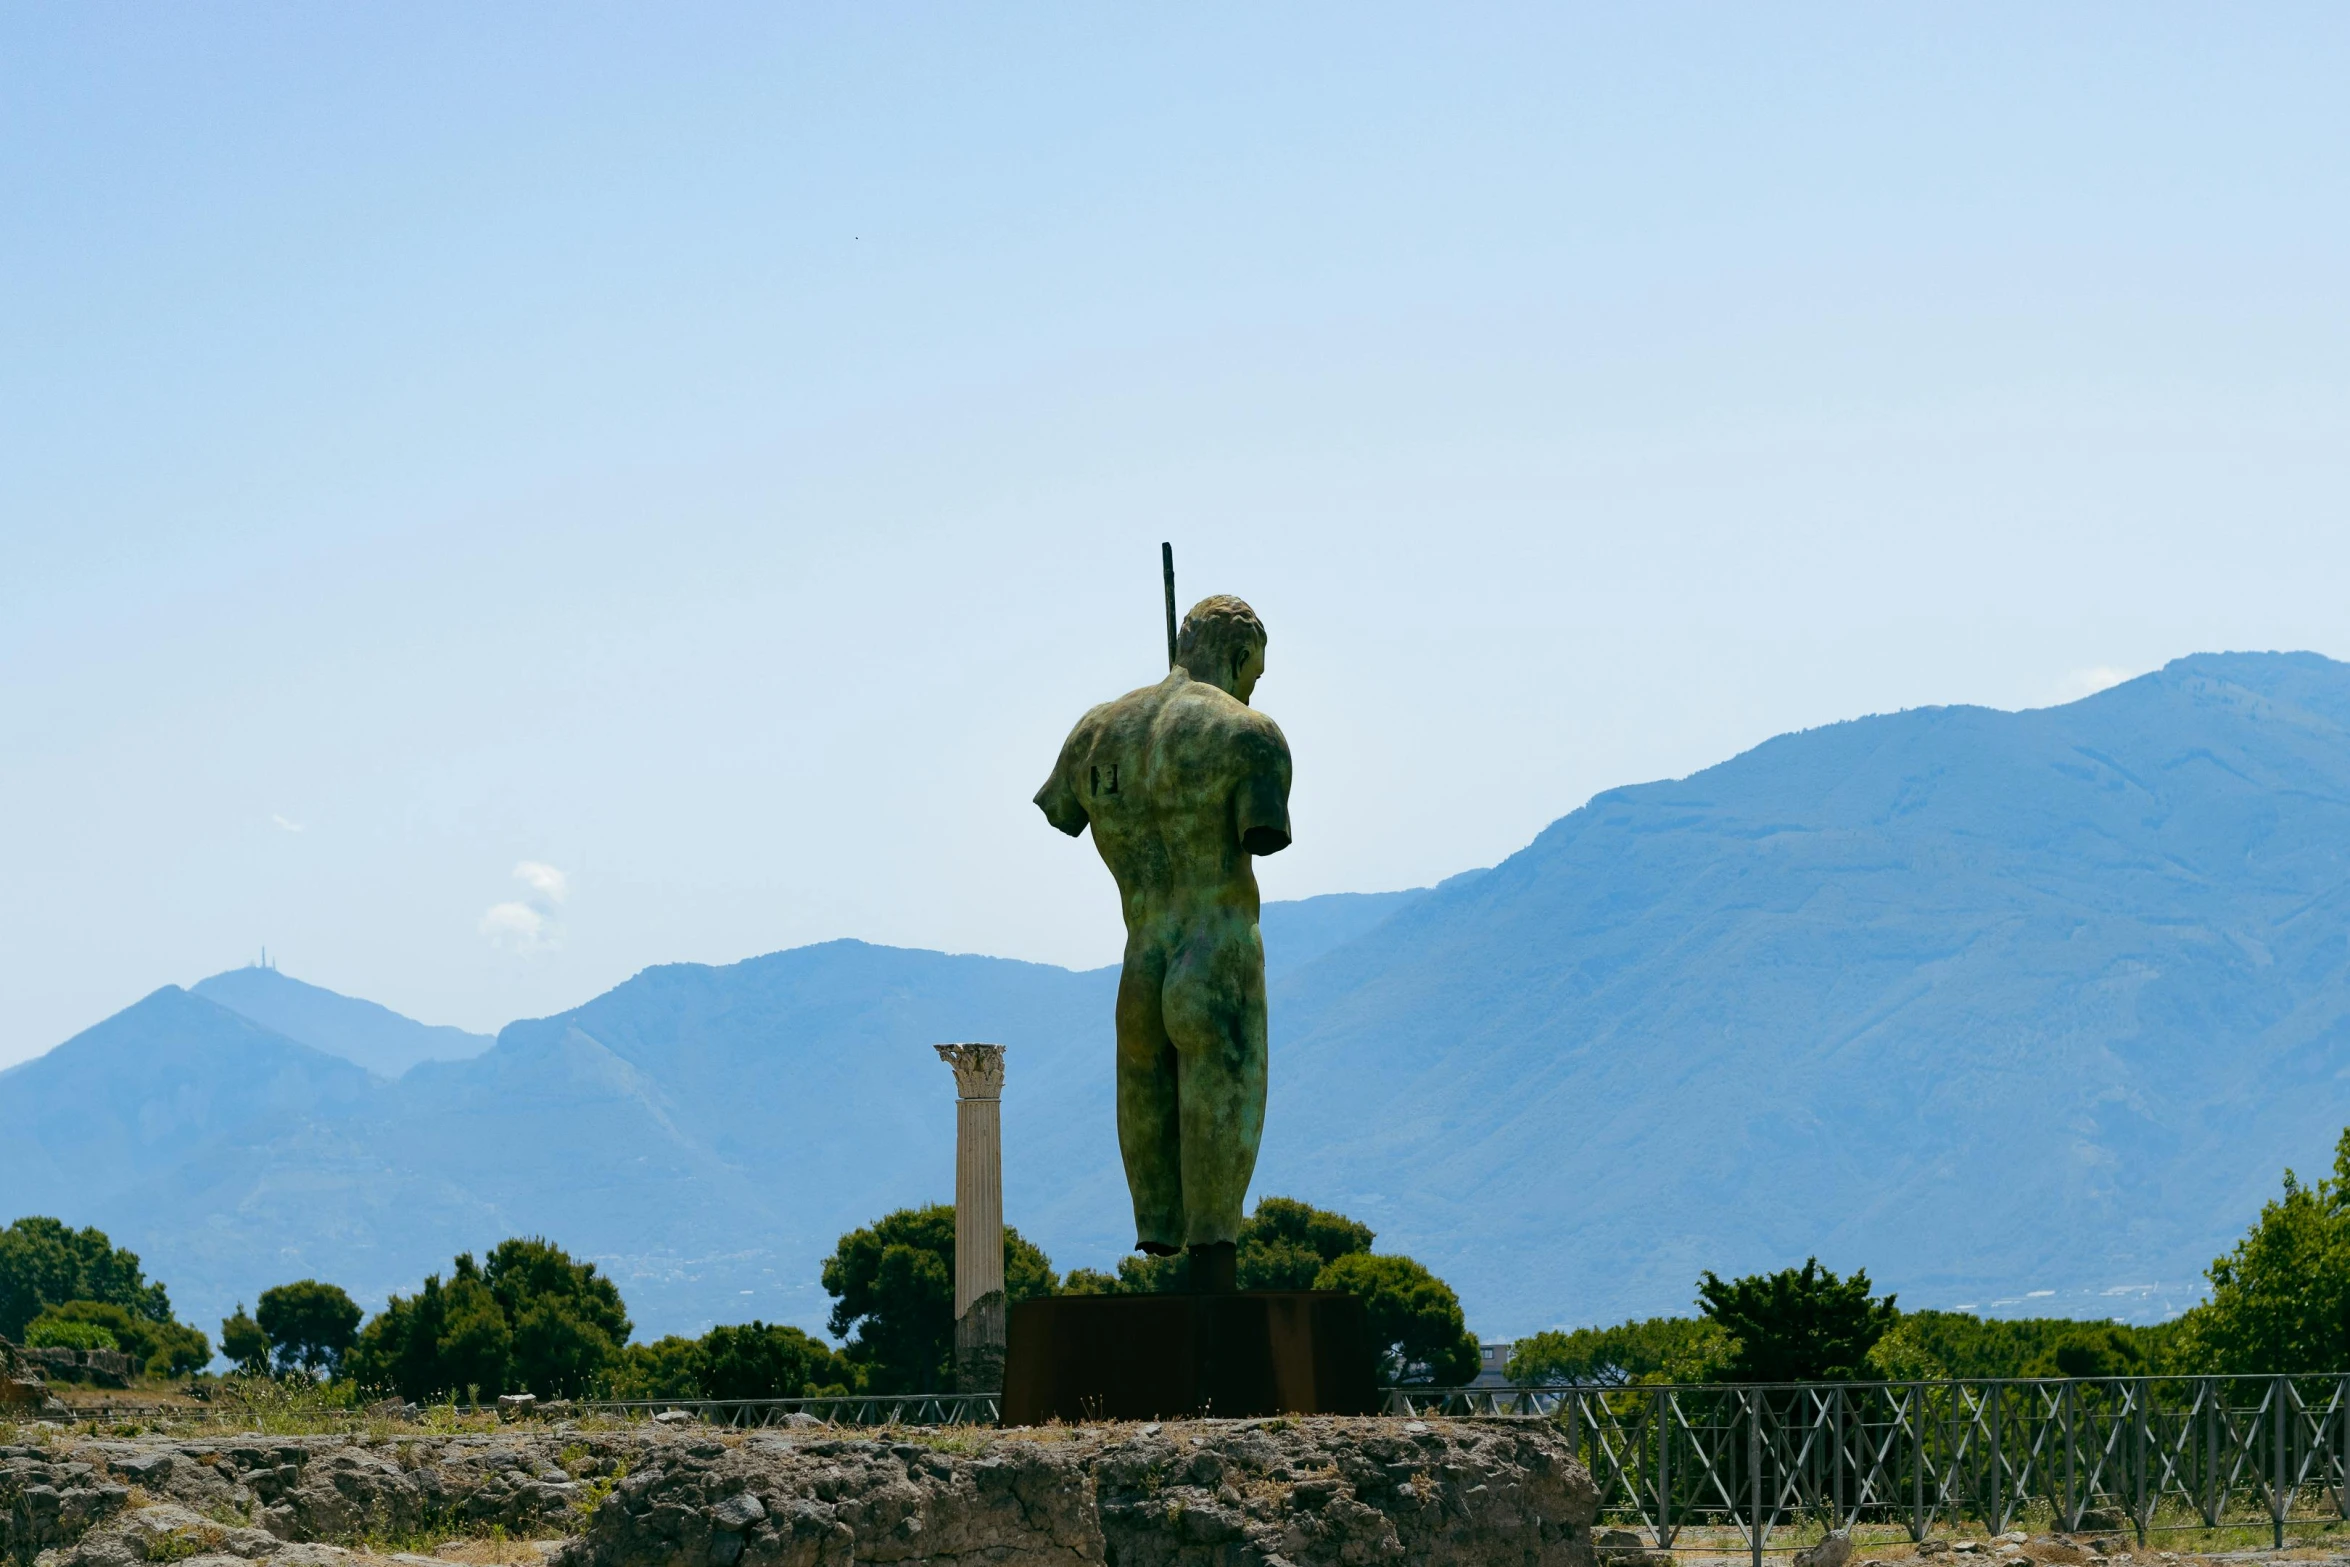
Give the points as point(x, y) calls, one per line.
point(1797, 1325)
point(531, 1320)
point(1415, 1318)
point(310, 1326)
point(893, 1290)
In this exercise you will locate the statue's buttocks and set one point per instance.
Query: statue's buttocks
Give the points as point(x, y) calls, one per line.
point(1183, 783)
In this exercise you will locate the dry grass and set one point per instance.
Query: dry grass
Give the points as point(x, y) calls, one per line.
point(492, 1552)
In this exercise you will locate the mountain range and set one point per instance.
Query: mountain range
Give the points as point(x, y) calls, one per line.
point(2019, 1011)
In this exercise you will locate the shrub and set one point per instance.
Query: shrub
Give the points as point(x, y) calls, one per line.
point(50, 1332)
point(161, 1348)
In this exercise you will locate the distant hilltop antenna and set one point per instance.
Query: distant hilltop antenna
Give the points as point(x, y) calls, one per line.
point(1167, 571)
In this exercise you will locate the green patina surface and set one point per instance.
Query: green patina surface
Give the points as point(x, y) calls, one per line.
point(1183, 784)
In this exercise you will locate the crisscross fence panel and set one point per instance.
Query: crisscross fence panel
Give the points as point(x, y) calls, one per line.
point(2142, 1453)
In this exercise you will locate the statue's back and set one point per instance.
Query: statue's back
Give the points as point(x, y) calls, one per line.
point(1180, 782)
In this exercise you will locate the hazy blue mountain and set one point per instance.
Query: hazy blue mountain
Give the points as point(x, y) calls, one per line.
point(1989, 1003)
point(169, 1080)
point(1296, 933)
point(361, 1032)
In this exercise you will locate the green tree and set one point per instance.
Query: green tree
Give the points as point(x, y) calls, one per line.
point(1911, 1351)
point(180, 1351)
point(1655, 1349)
point(566, 1319)
point(1415, 1317)
point(669, 1367)
point(893, 1284)
point(1797, 1325)
point(474, 1344)
point(758, 1361)
point(42, 1263)
point(1284, 1245)
point(1923, 1345)
point(242, 1340)
point(2093, 1349)
point(532, 1319)
point(447, 1341)
point(309, 1324)
point(162, 1349)
point(2280, 1300)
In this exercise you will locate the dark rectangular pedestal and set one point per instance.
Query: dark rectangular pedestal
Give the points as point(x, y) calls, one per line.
point(1151, 1357)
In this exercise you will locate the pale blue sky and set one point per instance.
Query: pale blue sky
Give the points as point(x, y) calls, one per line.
point(715, 452)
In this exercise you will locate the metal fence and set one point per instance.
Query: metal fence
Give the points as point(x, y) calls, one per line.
point(2083, 1455)
point(1753, 1467)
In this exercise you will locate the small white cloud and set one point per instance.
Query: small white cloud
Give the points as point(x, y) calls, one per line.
point(516, 926)
point(2088, 682)
point(529, 925)
point(284, 825)
point(544, 880)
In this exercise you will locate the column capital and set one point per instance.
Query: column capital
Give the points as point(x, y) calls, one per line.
point(979, 1069)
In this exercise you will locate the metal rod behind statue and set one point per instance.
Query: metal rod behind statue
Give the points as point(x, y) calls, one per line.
point(1167, 569)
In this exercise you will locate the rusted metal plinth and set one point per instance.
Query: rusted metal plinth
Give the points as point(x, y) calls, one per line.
point(1169, 1357)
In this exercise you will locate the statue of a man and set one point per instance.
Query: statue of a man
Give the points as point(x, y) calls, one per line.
point(1183, 782)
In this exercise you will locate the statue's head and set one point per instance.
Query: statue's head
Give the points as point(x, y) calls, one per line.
point(1222, 643)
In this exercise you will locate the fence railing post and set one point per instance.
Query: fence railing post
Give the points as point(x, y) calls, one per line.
point(2138, 1507)
point(2072, 1508)
point(1997, 1521)
point(1917, 1467)
point(2279, 1391)
point(1664, 1469)
point(1752, 1398)
point(1836, 1478)
point(2341, 1413)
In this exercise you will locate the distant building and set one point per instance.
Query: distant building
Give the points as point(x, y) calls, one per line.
point(1493, 1363)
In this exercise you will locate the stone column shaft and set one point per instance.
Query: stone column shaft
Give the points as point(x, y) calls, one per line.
point(979, 1214)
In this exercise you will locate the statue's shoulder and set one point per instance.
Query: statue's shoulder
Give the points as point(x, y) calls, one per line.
point(1105, 715)
point(1214, 713)
point(1141, 704)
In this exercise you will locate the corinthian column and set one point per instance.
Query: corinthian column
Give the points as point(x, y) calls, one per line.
point(979, 1215)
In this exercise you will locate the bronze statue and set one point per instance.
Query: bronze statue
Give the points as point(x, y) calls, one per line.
point(1183, 782)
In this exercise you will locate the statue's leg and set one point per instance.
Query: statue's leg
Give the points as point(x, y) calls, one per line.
point(1214, 1006)
point(1148, 1130)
